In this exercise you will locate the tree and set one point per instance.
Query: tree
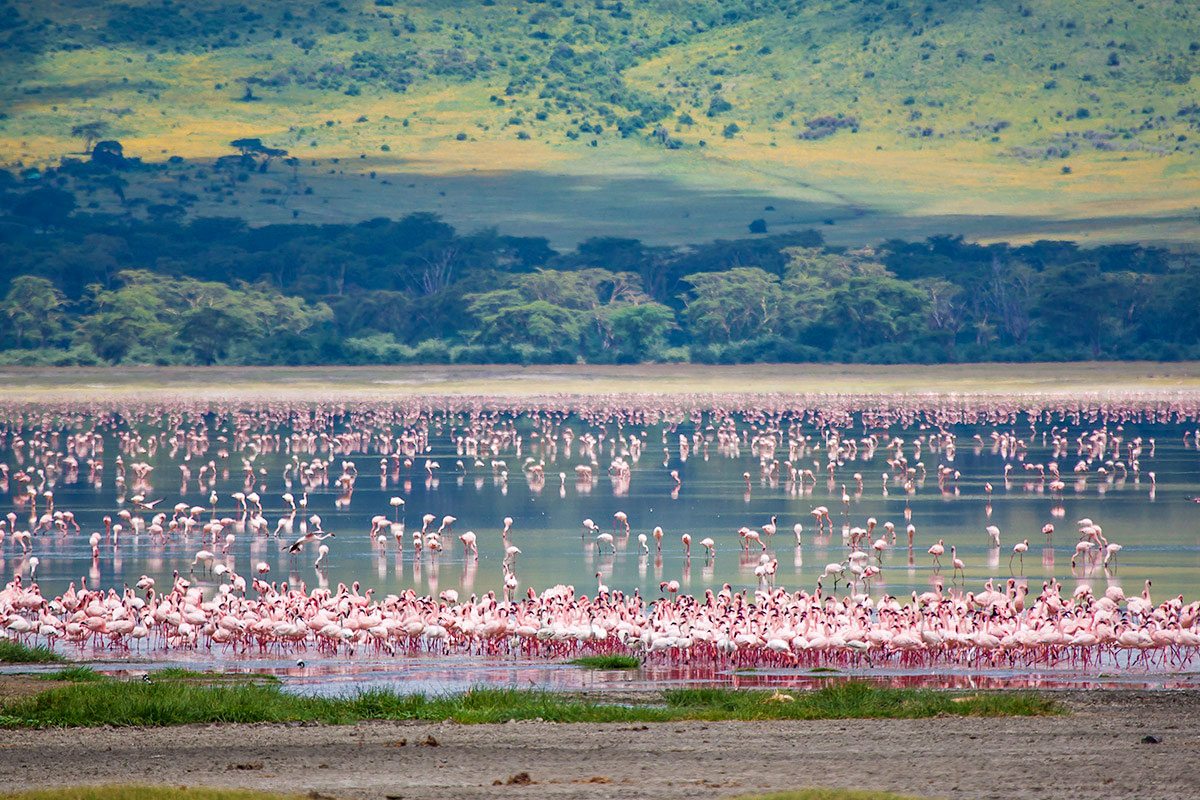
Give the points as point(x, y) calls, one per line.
point(947, 312)
point(89, 132)
point(639, 332)
point(506, 320)
point(733, 306)
point(33, 307)
point(247, 146)
point(1079, 305)
point(199, 321)
point(45, 205)
point(848, 300)
point(109, 153)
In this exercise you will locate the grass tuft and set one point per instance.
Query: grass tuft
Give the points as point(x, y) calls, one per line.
point(16, 653)
point(163, 703)
point(608, 662)
point(180, 674)
point(76, 674)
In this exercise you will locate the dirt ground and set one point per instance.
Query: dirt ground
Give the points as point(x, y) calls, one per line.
point(1096, 751)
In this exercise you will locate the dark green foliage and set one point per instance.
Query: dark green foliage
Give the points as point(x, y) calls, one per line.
point(78, 288)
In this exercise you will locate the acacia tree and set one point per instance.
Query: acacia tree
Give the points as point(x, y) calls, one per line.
point(733, 306)
point(191, 320)
point(33, 307)
point(90, 133)
point(639, 332)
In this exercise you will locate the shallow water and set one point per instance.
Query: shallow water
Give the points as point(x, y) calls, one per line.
point(1158, 527)
point(434, 675)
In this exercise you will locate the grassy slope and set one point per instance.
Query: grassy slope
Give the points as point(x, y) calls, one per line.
point(958, 69)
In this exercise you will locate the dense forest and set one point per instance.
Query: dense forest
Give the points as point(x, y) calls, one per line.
point(88, 288)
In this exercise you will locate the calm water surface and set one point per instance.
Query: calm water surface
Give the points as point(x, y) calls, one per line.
point(1157, 525)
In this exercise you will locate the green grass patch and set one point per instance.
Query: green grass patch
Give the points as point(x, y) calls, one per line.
point(16, 653)
point(77, 674)
point(140, 793)
point(162, 703)
point(180, 674)
point(195, 676)
point(853, 700)
point(607, 662)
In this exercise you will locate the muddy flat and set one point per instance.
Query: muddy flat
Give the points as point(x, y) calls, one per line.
point(1095, 751)
point(1143, 379)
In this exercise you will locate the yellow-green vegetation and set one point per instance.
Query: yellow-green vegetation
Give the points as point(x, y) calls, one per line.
point(1031, 110)
point(172, 702)
point(141, 793)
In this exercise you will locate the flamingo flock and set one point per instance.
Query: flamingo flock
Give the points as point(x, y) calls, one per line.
point(797, 443)
point(767, 627)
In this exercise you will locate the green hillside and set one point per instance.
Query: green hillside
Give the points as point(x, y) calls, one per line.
point(992, 117)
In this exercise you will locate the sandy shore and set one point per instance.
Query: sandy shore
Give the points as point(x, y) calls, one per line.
point(1145, 379)
point(1094, 752)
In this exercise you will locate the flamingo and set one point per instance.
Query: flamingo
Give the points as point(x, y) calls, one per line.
point(1019, 549)
point(993, 533)
point(937, 551)
point(311, 536)
point(959, 566)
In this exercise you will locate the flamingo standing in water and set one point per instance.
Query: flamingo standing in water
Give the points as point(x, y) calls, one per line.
point(937, 551)
point(469, 543)
point(993, 533)
point(1019, 549)
point(959, 566)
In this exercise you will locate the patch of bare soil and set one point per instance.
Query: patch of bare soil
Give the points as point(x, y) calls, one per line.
point(1112, 745)
point(15, 687)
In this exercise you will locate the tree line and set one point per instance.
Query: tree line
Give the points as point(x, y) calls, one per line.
point(84, 288)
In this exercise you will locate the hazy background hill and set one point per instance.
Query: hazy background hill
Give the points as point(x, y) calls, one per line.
point(664, 120)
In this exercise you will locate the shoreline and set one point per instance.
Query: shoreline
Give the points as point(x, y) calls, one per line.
point(1095, 751)
point(1136, 379)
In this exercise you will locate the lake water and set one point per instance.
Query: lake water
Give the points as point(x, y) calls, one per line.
point(1158, 527)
